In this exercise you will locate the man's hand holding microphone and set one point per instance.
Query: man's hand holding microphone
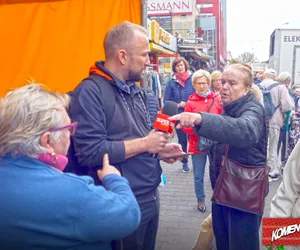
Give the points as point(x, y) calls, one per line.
point(157, 140)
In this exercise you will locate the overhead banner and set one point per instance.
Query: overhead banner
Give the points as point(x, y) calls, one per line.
point(169, 7)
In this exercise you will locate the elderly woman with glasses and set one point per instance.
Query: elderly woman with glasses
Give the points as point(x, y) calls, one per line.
point(203, 100)
point(41, 207)
point(216, 81)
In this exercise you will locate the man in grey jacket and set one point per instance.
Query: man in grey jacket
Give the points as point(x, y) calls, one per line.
point(127, 137)
point(281, 100)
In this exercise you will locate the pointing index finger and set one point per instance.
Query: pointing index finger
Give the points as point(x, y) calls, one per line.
point(174, 117)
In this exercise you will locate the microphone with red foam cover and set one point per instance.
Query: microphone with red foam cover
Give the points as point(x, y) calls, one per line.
point(161, 122)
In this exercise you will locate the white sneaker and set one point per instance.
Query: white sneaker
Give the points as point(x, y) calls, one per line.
point(275, 177)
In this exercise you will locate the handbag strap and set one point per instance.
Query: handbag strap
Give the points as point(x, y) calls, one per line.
point(212, 103)
point(226, 151)
point(266, 146)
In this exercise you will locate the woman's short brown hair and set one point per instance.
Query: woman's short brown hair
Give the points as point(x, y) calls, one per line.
point(179, 60)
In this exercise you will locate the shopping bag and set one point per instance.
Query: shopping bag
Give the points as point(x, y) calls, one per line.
point(206, 235)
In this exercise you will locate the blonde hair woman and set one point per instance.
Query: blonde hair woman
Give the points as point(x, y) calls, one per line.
point(255, 90)
point(285, 78)
point(203, 100)
point(40, 205)
point(216, 81)
point(245, 141)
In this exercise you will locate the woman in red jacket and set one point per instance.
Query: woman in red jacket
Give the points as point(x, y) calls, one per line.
point(203, 100)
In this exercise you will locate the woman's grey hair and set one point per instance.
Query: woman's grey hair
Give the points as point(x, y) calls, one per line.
point(25, 114)
point(201, 73)
point(246, 69)
point(283, 76)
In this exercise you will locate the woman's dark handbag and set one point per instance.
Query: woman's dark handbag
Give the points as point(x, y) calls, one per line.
point(241, 187)
point(204, 144)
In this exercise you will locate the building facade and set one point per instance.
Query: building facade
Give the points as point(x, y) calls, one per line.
point(175, 16)
point(212, 23)
point(199, 25)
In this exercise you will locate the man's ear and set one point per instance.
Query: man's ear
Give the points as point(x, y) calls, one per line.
point(122, 54)
point(45, 142)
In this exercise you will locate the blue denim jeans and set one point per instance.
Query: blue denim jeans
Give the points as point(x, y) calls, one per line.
point(183, 141)
point(199, 162)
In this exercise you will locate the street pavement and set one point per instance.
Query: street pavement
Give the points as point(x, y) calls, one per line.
point(179, 218)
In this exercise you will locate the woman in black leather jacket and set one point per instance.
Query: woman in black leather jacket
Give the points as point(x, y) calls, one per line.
point(242, 127)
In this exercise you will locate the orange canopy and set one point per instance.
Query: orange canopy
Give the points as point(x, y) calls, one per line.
point(55, 42)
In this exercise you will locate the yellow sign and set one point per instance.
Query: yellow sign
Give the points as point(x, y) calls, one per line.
point(164, 36)
point(167, 67)
point(160, 49)
point(155, 31)
point(159, 34)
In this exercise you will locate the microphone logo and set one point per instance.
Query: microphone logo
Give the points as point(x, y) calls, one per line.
point(163, 121)
point(163, 124)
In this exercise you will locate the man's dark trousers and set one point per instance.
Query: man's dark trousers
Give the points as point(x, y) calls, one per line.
point(144, 237)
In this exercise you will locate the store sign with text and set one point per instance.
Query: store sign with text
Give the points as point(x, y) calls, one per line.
point(259, 66)
point(165, 22)
point(169, 7)
point(291, 39)
point(160, 36)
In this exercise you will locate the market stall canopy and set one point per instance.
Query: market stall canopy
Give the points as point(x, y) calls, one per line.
point(195, 46)
point(197, 53)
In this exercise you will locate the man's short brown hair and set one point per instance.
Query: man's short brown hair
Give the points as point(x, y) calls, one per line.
point(121, 37)
point(179, 60)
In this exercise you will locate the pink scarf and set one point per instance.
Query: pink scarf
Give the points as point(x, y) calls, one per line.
point(182, 78)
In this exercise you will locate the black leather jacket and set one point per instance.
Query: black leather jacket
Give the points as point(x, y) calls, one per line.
point(242, 126)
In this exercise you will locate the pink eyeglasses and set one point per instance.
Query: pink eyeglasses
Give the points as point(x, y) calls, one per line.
point(71, 127)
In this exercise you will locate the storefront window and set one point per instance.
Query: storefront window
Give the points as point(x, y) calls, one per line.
point(165, 71)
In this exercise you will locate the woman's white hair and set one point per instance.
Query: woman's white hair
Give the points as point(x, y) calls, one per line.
point(25, 114)
point(283, 76)
point(201, 73)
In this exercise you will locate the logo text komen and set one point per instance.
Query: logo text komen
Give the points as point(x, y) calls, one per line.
point(284, 231)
